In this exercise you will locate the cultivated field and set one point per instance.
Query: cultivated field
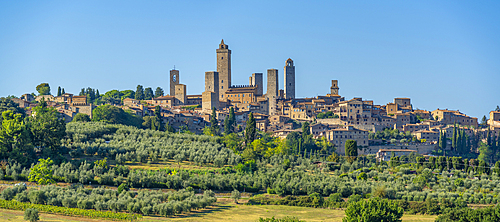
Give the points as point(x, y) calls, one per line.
point(225, 211)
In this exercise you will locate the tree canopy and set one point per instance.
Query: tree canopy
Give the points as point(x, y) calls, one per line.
point(43, 89)
point(112, 114)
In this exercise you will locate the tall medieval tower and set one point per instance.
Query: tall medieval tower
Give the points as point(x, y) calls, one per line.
point(272, 90)
point(289, 79)
point(335, 87)
point(174, 80)
point(223, 68)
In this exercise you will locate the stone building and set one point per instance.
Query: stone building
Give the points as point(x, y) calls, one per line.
point(334, 90)
point(174, 80)
point(241, 94)
point(446, 117)
point(289, 79)
point(163, 101)
point(257, 80)
point(415, 127)
point(27, 97)
point(272, 90)
point(339, 137)
point(210, 97)
point(494, 121)
point(210, 100)
point(79, 100)
point(224, 68)
point(180, 94)
point(403, 102)
point(427, 135)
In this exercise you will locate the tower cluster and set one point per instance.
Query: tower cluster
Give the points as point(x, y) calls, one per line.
point(220, 93)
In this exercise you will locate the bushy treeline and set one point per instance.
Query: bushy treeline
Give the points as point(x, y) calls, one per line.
point(470, 215)
point(143, 202)
point(16, 205)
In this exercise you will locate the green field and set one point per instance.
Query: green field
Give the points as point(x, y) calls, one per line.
point(226, 211)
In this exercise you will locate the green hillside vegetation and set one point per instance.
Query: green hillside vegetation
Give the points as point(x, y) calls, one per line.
point(297, 171)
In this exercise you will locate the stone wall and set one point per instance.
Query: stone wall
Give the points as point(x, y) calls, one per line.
point(421, 148)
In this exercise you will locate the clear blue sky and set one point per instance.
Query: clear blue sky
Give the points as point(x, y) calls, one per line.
point(441, 54)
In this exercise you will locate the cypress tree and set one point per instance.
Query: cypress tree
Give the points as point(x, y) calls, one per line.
point(493, 142)
point(488, 138)
point(214, 124)
point(97, 95)
point(464, 142)
point(351, 150)
point(458, 144)
point(454, 138)
point(63, 91)
point(59, 91)
point(467, 144)
point(158, 119)
point(250, 130)
point(227, 129)
point(232, 120)
point(139, 93)
point(445, 140)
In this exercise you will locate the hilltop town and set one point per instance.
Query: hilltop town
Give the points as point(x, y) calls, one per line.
point(279, 112)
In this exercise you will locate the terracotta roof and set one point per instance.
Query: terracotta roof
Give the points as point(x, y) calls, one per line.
point(395, 150)
point(163, 98)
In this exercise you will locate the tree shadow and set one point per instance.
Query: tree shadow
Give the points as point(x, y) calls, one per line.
point(204, 212)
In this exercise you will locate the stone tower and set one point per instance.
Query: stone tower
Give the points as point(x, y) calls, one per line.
point(272, 90)
point(212, 85)
point(289, 79)
point(174, 80)
point(180, 94)
point(335, 87)
point(256, 80)
point(224, 68)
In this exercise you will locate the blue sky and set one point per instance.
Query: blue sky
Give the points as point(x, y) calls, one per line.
point(441, 54)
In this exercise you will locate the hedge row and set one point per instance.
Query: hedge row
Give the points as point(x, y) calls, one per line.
point(14, 205)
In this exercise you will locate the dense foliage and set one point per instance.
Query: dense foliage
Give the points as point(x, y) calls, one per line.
point(373, 210)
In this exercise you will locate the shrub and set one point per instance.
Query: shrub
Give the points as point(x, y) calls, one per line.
point(284, 219)
point(31, 214)
point(122, 187)
point(373, 210)
point(354, 198)
point(235, 195)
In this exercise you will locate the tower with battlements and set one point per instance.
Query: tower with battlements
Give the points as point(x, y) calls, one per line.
point(223, 68)
point(289, 79)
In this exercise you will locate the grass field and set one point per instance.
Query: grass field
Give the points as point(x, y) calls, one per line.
point(226, 211)
point(185, 165)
